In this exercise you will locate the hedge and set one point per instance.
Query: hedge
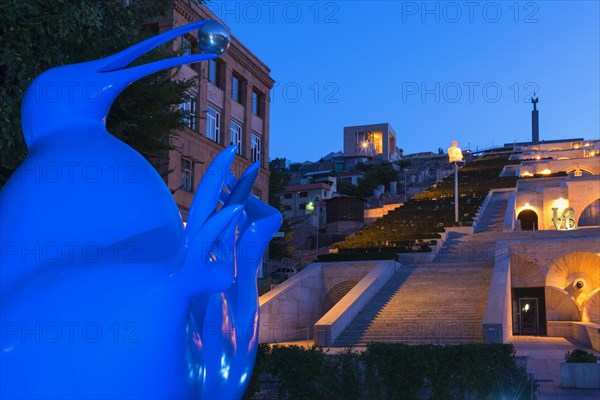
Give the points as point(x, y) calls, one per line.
point(390, 371)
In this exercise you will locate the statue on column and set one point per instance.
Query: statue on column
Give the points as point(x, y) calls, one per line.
point(534, 101)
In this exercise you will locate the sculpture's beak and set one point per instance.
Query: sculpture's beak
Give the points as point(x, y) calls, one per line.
point(117, 63)
point(107, 78)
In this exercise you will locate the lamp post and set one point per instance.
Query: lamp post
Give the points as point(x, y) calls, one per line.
point(455, 156)
point(456, 192)
point(405, 185)
point(315, 204)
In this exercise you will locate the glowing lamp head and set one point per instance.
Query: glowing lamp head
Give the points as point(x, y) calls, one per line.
point(213, 38)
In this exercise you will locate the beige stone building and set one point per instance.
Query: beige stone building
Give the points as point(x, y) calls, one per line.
point(231, 106)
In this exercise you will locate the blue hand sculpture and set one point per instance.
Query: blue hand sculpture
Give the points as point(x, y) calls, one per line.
point(103, 292)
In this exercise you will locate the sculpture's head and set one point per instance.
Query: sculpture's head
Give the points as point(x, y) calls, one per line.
point(81, 94)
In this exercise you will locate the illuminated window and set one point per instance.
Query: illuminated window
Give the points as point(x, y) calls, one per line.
point(235, 136)
point(255, 148)
point(187, 174)
point(370, 142)
point(213, 124)
point(189, 107)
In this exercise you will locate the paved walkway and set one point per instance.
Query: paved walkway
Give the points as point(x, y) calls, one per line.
point(544, 355)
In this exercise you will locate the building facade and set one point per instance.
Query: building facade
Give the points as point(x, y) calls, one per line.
point(363, 143)
point(230, 105)
point(297, 200)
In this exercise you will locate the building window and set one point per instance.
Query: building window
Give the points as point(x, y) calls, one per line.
point(255, 148)
point(287, 196)
point(257, 193)
point(187, 174)
point(302, 206)
point(213, 125)
point(235, 88)
point(189, 108)
point(186, 46)
point(256, 103)
point(235, 136)
point(303, 194)
point(213, 72)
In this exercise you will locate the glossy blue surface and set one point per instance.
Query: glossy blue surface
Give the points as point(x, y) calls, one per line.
point(104, 293)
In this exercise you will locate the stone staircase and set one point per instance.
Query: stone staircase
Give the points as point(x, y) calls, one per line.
point(436, 303)
point(493, 215)
point(440, 302)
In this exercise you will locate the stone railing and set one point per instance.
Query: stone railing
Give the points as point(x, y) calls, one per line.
point(497, 322)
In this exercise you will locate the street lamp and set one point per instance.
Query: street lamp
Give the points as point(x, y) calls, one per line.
point(310, 206)
point(405, 185)
point(455, 156)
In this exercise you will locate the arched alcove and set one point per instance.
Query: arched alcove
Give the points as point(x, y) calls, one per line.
point(580, 262)
point(529, 220)
point(336, 293)
point(525, 273)
point(591, 308)
point(560, 306)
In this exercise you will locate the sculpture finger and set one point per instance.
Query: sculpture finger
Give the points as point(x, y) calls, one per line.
point(208, 193)
point(211, 249)
point(241, 191)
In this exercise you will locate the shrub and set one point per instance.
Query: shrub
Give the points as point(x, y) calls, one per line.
point(579, 356)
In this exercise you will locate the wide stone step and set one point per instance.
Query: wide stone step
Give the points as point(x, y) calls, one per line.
point(440, 303)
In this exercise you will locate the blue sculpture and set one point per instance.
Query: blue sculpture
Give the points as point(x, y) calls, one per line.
point(104, 293)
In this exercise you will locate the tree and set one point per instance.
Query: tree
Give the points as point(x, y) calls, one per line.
point(375, 175)
point(38, 35)
point(348, 189)
point(279, 179)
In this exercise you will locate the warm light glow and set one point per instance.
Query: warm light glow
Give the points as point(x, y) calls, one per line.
point(560, 203)
point(526, 173)
point(587, 145)
point(364, 145)
point(537, 157)
point(577, 146)
point(527, 205)
point(545, 172)
point(563, 158)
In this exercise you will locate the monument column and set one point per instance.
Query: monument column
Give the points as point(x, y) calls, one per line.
point(535, 127)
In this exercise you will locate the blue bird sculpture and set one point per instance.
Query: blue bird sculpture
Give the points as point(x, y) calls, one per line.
point(103, 291)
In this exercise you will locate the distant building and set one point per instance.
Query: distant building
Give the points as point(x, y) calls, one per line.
point(296, 197)
point(352, 177)
point(345, 215)
point(364, 143)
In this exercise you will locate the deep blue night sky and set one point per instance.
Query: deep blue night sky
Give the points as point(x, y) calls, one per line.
point(436, 71)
